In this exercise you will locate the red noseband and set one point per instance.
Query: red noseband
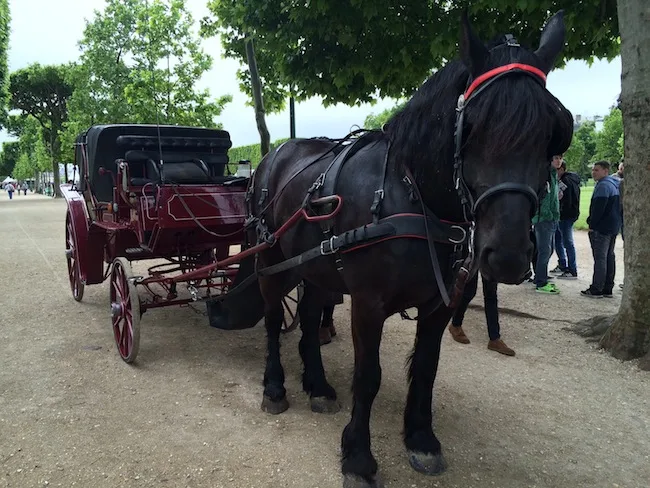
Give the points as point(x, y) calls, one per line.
point(502, 69)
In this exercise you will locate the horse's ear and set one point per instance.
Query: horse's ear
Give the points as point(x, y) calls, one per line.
point(552, 41)
point(472, 51)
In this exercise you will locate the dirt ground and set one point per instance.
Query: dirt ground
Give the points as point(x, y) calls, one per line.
point(187, 414)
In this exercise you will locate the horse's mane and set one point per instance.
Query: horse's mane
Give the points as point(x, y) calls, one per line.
point(422, 132)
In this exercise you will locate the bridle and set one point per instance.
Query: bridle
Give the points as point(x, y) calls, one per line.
point(468, 203)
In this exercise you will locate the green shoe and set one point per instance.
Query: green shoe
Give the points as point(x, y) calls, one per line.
point(548, 288)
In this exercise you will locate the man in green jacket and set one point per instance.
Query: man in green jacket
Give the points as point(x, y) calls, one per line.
point(545, 222)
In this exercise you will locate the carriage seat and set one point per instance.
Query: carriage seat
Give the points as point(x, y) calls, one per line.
point(177, 168)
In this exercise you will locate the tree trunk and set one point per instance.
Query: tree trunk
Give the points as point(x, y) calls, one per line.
point(629, 336)
point(292, 117)
point(54, 145)
point(256, 84)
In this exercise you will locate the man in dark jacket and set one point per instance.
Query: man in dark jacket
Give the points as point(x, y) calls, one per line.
point(569, 184)
point(604, 223)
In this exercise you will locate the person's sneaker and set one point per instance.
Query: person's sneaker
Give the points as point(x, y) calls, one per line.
point(458, 334)
point(608, 294)
point(557, 270)
point(500, 347)
point(568, 275)
point(548, 288)
point(591, 293)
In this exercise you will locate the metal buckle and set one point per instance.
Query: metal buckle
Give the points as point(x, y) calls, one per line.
point(319, 181)
point(323, 252)
point(380, 193)
point(454, 241)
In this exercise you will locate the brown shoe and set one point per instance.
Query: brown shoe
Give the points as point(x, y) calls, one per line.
point(324, 335)
point(500, 347)
point(458, 334)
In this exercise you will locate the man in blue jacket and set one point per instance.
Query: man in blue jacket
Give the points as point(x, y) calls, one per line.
point(604, 223)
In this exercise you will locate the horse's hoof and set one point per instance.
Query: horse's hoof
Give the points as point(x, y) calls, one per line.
point(324, 405)
point(353, 481)
point(273, 407)
point(431, 464)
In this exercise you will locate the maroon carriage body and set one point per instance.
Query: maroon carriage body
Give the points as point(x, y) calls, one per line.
point(152, 192)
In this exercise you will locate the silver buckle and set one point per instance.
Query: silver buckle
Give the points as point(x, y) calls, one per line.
point(454, 241)
point(323, 252)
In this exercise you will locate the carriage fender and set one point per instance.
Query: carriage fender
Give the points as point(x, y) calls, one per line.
point(91, 266)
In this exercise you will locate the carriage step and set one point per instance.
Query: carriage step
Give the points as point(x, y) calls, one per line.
point(134, 250)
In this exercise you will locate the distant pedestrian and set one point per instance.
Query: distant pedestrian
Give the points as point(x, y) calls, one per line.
point(604, 223)
point(545, 222)
point(491, 316)
point(10, 189)
point(569, 193)
point(24, 187)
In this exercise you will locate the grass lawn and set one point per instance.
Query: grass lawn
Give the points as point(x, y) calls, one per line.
point(585, 199)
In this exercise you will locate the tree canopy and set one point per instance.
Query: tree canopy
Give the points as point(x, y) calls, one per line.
point(361, 50)
point(139, 63)
point(5, 24)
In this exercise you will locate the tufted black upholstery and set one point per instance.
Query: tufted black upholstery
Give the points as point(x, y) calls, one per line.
point(182, 148)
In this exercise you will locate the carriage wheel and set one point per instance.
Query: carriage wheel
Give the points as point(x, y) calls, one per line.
point(290, 303)
point(72, 256)
point(125, 310)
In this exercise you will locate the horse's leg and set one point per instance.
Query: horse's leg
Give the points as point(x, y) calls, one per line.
point(358, 464)
point(275, 395)
point(322, 395)
point(424, 451)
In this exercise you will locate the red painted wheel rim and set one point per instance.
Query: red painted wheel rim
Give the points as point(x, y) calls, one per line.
point(71, 256)
point(123, 319)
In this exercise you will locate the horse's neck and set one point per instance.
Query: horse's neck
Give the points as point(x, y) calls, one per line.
point(436, 184)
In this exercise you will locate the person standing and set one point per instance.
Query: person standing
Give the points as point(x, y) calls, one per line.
point(569, 191)
point(545, 222)
point(604, 223)
point(491, 316)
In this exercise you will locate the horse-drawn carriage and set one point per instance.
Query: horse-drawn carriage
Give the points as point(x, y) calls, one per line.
point(158, 193)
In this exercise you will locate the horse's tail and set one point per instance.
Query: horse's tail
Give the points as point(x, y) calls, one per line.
point(242, 306)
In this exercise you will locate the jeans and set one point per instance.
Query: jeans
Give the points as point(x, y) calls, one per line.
point(602, 248)
point(565, 247)
point(544, 232)
point(490, 302)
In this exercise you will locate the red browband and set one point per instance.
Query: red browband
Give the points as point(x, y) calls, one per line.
point(502, 69)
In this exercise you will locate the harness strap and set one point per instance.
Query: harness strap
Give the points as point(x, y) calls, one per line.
point(394, 226)
point(433, 255)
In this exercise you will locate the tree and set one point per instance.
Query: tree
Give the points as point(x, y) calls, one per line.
point(42, 92)
point(376, 121)
point(607, 140)
point(359, 51)
point(583, 149)
point(5, 21)
point(629, 335)
point(139, 64)
point(9, 157)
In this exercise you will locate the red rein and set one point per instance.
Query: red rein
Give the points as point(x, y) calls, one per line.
point(502, 69)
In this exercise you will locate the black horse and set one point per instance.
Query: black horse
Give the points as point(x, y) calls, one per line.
point(470, 150)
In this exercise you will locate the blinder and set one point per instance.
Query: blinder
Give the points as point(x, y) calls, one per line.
point(469, 204)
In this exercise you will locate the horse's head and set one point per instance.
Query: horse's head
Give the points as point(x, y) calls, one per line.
point(511, 127)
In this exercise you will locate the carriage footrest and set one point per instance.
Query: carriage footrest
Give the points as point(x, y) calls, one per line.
point(134, 250)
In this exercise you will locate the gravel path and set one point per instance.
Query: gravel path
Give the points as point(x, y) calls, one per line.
point(559, 414)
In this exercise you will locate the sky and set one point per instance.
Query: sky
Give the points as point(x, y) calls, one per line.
point(47, 32)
